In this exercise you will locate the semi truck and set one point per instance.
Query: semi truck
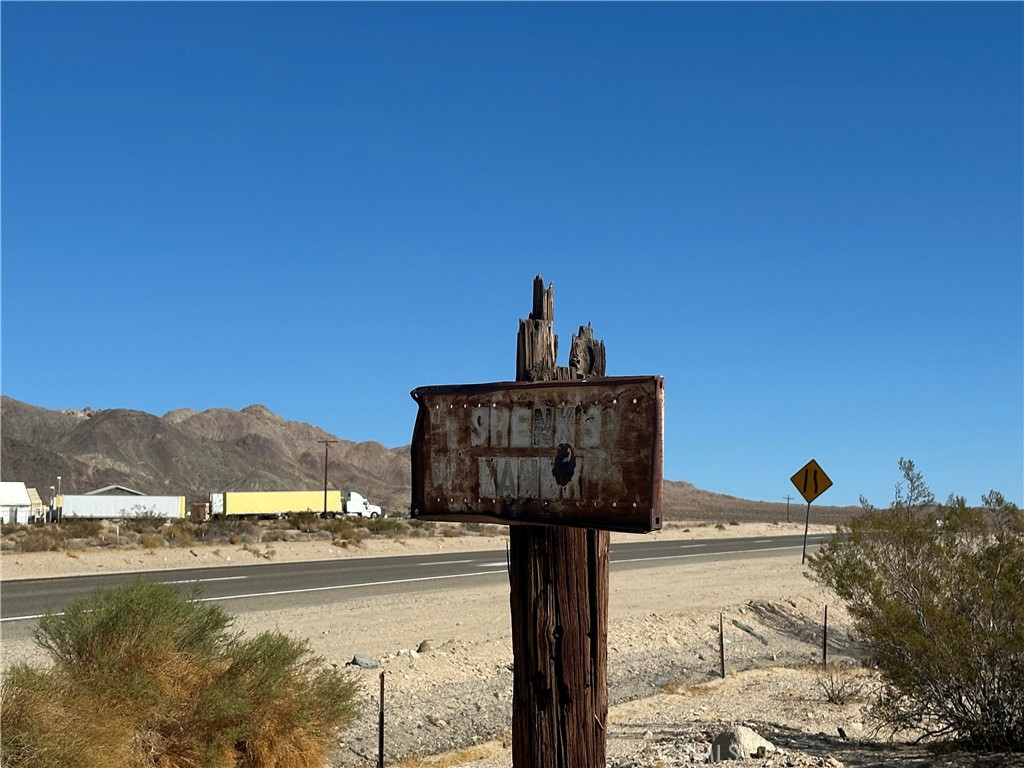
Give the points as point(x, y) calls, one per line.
point(355, 504)
point(272, 503)
point(283, 503)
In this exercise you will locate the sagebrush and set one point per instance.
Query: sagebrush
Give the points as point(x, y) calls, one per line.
point(143, 676)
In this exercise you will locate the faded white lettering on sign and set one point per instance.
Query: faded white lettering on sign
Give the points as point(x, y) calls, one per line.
point(529, 478)
point(520, 426)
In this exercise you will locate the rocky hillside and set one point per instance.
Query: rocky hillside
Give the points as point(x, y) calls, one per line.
point(193, 453)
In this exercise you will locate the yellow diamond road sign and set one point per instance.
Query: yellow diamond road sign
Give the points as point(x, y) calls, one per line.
point(811, 481)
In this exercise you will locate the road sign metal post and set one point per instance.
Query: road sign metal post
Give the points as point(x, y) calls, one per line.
point(807, 525)
point(811, 481)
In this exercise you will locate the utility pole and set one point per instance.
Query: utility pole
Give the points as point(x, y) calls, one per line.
point(788, 497)
point(327, 444)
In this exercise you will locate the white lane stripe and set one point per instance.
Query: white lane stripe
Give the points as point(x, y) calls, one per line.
point(705, 554)
point(446, 562)
point(341, 586)
point(300, 591)
point(194, 581)
point(763, 541)
point(495, 564)
point(25, 618)
point(691, 546)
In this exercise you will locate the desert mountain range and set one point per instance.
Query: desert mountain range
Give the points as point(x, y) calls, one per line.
point(192, 453)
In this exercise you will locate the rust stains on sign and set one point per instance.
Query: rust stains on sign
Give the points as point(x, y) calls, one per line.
point(580, 453)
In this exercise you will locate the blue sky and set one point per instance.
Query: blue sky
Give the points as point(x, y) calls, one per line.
point(806, 217)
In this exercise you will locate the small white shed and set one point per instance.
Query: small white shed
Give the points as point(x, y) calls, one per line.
point(15, 504)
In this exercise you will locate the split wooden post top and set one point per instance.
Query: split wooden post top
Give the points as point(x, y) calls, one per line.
point(563, 455)
point(559, 446)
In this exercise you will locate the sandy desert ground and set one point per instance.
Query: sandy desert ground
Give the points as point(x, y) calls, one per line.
point(447, 659)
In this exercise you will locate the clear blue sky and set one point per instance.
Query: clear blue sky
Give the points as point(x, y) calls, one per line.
point(806, 217)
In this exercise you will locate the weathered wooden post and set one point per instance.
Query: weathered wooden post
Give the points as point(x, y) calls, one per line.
point(564, 455)
point(559, 600)
point(721, 643)
point(824, 641)
point(380, 725)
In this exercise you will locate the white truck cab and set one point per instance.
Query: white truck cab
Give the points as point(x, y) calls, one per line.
point(355, 504)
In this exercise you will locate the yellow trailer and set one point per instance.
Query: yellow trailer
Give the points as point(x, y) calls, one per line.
point(271, 503)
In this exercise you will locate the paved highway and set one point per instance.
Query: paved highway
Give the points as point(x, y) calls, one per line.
point(278, 585)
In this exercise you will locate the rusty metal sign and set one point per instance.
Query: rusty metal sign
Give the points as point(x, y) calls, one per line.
point(585, 453)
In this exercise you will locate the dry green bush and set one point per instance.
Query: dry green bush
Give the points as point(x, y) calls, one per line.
point(425, 526)
point(79, 528)
point(180, 533)
point(142, 676)
point(937, 596)
point(142, 520)
point(151, 540)
point(40, 540)
point(389, 525)
point(343, 529)
point(307, 522)
point(231, 530)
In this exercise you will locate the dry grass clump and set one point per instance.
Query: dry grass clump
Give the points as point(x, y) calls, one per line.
point(142, 676)
point(841, 684)
point(454, 758)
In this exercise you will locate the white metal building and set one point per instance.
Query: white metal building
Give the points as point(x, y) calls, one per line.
point(15, 504)
point(115, 501)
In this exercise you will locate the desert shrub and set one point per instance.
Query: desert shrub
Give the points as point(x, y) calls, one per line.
point(388, 525)
point(40, 540)
point(35, 732)
point(719, 527)
point(305, 521)
point(451, 531)
point(421, 528)
point(345, 530)
point(80, 528)
point(336, 525)
point(229, 530)
point(151, 540)
point(180, 533)
point(142, 520)
point(937, 595)
point(141, 675)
